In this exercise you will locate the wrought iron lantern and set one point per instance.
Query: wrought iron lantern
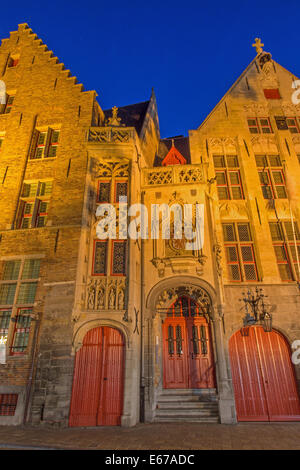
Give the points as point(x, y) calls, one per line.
point(254, 303)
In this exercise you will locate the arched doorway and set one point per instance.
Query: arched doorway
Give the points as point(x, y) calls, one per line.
point(263, 377)
point(97, 394)
point(187, 350)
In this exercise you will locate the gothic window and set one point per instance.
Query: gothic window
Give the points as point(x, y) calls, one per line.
point(292, 125)
point(109, 258)
point(271, 176)
point(121, 189)
point(18, 284)
point(240, 253)
point(260, 125)
point(100, 258)
point(118, 267)
point(44, 144)
point(34, 204)
point(229, 183)
point(283, 237)
point(103, 191)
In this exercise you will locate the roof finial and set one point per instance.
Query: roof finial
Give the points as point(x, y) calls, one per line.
point(114, 120)
point(258, 45)
point(173, 143)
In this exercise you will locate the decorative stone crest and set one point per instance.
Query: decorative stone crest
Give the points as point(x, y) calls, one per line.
point(258, 46)
point(114, 120)
point(233, 210)
point(217, 249)
point(169, 296)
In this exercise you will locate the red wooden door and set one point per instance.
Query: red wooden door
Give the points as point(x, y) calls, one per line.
point(263, 377)
point(97, 395)
point(188, 358)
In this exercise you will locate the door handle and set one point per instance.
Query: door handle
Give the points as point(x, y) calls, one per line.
point(104, 378)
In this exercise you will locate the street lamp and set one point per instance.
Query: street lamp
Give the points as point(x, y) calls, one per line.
point(258, 312)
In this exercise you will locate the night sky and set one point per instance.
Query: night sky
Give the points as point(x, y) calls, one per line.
point(190, 52)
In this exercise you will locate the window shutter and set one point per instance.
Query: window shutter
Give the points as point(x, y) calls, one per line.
point(48, 140)
point(20, 214)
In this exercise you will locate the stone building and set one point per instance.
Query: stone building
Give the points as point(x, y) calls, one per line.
point(129, 329)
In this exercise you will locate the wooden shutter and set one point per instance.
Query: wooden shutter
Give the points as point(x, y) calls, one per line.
point(34, 139)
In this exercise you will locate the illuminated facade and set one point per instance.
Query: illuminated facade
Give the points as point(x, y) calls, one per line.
point(113, 332)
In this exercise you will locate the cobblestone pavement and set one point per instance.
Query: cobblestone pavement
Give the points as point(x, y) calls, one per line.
point(165, 436)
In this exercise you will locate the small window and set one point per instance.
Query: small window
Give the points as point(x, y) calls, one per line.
point(8, 404)
point(44, 144)
point(121, 190)
point(239, 255)
point(253, 126)
point(34, 204)
point(13, 61)
point(100, 258)
point(21, 331)
point(6, 108)
point(272, 94)
point(265, 126)
point(103, 191)
point(272, 180)
point(118, 258)
point(260, 125)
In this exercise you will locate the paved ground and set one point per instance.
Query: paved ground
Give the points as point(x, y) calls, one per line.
point(157, 436)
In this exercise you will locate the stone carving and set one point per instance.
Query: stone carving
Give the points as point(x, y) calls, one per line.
point(223, 144)
point(256, 110)
point(217, 249)
point(103, 135)
point(233, 209)
point(114, 120)
point(268, 75)
point(121, 299)
point(107, 293)
point(109, 169)
point(100, 299)
point(264, 144)
point(111, 298)
point(169, 296)
point(91, 295)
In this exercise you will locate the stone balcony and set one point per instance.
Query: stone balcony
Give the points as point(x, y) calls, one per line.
point(103, 135)
point(177, 174)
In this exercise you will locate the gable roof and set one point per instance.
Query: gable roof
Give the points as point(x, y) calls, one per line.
point(181, 146)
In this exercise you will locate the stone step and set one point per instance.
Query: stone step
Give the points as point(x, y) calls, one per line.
point(189, 391)
point(209, 420)
point(184, 398)
point(186, 405)
point(193, 413)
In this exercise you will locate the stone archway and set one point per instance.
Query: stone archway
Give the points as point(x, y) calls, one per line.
point(98, 381)
point(263, 376)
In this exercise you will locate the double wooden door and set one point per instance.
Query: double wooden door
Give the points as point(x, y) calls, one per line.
point(263, 377)
point(97, 394)
point(188, 358)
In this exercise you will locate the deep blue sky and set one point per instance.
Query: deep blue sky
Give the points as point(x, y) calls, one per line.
point(189, 51)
